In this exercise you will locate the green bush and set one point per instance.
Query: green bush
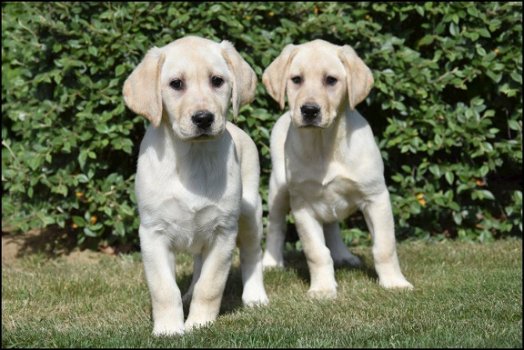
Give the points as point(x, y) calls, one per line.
point(446, 108)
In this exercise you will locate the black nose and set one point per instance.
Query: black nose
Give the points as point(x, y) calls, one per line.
point(310, 111)
point(203, 119)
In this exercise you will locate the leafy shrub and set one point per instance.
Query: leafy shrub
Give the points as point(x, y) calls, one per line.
point(446, 108)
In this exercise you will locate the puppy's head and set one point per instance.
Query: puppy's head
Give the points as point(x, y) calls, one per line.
point(319, 79)
point(189, 84)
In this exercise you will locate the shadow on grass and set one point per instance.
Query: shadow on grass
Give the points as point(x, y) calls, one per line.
point(232, 297)
point(295, 259)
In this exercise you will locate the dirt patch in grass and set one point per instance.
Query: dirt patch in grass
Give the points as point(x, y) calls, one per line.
point(52, 243)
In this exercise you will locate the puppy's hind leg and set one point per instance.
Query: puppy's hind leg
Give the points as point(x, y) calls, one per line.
point(249, 237)
point(339, 252)
point(197, 268)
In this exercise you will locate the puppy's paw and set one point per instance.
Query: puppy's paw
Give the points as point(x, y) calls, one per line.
point(269, 262)
point(254, 298)
point(195, 324)
point(398, 282)
point(349, 260)
point(163, 330)
point(322, 293)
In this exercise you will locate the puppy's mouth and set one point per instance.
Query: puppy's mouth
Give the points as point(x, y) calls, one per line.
point(313, 125)
point(302, 124)
point(316, 123)
point(197, 135)
point(203, 137)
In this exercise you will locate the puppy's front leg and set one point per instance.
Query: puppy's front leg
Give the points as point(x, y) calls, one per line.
point(159, 267)
point(208, 290)
point(379, 218)
point(278, 202)
point(249, 236)
point(320, 263)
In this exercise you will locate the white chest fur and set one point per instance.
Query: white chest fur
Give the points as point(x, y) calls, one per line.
point(330, 172)
point(188, 190)
point(329, 194)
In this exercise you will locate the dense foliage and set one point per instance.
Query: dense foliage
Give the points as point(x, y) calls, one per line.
point(446, 108)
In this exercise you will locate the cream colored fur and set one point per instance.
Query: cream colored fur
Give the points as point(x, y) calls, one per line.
point(328, 167)
point(196, 188)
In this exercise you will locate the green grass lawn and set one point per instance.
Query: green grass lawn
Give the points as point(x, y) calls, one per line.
point(466, 295)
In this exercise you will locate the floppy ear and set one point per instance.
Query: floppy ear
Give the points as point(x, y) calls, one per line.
point(244, 78)
point(275, 75)
point(358, 76)
point(142, 88)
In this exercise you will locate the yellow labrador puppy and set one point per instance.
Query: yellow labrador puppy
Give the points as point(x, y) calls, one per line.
point(326, 163)
point(197, 177)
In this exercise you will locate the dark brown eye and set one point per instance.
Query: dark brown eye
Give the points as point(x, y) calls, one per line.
point(331, 80)
point(217, 81)
point(177, 84)
point(296, 79)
